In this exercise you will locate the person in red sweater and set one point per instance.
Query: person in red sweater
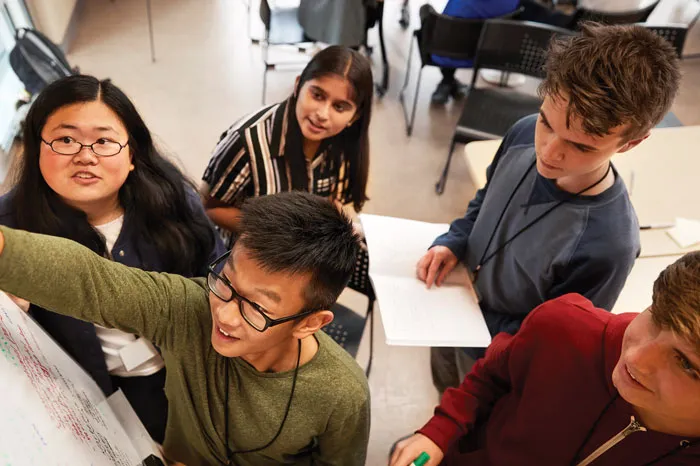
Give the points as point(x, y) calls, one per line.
point(578, 385)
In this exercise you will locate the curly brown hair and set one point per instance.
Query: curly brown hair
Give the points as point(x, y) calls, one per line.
point(613, 76)
point(676, 299)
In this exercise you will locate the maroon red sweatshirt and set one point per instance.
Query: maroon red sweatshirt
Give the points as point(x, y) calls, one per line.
point(545, 397)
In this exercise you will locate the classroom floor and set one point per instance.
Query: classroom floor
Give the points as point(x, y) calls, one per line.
point(208, 74)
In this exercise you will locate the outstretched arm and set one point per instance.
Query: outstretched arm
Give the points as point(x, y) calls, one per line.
point(64, 277)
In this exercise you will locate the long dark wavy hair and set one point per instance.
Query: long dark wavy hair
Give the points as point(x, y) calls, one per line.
point(154, 197)
point(352, 142)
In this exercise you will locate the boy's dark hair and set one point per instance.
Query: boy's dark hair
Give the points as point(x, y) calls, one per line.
point(612, 76)
point(301, 233)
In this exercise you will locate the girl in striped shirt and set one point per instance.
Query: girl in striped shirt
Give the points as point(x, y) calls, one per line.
point(317, 141)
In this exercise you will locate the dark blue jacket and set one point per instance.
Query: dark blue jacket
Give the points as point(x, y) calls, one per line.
point(79, 338)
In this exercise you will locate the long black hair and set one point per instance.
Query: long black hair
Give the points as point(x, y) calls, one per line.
point(154, 196)
point(352, 142)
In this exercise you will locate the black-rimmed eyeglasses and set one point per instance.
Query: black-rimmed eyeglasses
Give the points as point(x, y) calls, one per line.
point(69, 146)
point(252, 313)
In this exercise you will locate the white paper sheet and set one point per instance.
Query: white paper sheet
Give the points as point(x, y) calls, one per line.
point(674, 12)
point(686, 233)
point(412, 314)
point(135, 430)
point(51, 411)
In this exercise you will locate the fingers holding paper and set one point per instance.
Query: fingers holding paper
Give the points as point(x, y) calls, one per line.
point(435, 265)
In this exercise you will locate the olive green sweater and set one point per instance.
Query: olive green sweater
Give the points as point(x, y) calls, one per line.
point(330, 410)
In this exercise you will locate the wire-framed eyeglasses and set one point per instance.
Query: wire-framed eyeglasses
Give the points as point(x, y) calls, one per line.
point(253, 313)
point(69, 146)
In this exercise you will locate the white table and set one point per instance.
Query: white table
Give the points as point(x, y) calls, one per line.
point(636, 295)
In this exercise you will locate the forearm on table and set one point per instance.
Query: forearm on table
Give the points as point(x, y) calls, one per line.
point(456, 238)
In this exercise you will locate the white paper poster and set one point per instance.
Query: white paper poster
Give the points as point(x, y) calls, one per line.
point(51, 412)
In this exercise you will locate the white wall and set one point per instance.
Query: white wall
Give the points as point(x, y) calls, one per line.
point(52, 17)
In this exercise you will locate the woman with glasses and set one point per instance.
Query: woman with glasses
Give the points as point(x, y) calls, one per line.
point(91, 173)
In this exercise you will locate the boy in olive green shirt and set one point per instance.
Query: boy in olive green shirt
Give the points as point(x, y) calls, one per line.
point(250, 379)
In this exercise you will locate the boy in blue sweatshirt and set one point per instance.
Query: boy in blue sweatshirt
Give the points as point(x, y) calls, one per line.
point(555, 216)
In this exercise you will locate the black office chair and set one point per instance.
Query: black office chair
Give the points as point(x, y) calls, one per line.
point(509, 46)
point(281, 28)
point(675, 34)
point(445, 36)
point(623, 17)
point(375, 17)
point(348, 327)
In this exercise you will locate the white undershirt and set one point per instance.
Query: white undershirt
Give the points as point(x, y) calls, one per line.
point(113, 341)
point(111, 230)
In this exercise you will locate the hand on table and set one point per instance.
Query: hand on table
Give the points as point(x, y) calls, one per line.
point(435, 265)
point(408, 450)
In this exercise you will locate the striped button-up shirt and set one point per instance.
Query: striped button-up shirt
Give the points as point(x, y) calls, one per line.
point(249, 161)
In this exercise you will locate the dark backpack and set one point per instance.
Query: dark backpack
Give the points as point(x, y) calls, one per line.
point(37, 61)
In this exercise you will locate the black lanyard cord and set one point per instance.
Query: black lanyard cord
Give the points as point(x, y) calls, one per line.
point(682, 446)
point(485, 258)
point(229, 453)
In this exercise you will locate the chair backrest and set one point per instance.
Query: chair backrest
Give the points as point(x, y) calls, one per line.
point(622, 17)
point(448, 36)
point(515, 46)
point(675, 34)
point(360, 281)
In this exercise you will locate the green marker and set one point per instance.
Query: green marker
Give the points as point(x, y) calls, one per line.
point(422, 459)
